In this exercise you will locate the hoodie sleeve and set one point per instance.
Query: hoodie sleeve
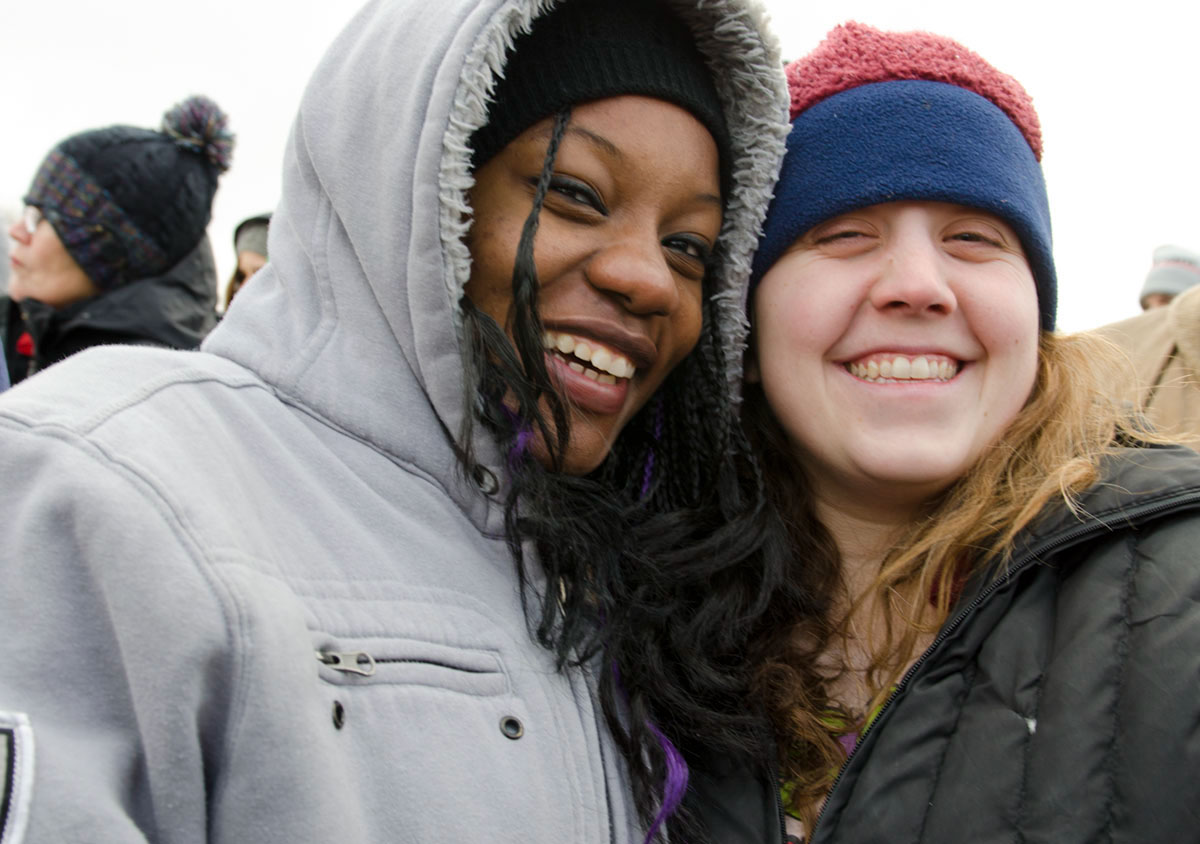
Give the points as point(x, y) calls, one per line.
point(114, 643)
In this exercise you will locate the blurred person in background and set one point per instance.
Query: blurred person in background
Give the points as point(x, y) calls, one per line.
point(250, 248)
point(111, 247)
point(1174, 270)
point(1164, 345)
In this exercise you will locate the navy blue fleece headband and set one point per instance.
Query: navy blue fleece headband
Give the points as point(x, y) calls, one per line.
point(914, 140)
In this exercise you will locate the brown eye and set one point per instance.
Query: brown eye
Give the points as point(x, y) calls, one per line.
point(977, 237)
point(577, 192)
point(689, 255)
point(842, 235)
point(693, 247)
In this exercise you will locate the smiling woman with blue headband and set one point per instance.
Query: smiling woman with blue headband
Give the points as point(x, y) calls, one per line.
point(1004, 641)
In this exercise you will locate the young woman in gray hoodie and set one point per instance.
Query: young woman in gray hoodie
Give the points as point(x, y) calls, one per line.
point(447, 531)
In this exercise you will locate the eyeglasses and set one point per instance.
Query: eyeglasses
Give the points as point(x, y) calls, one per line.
point(31, 217)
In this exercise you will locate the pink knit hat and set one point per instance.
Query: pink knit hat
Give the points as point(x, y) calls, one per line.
point(855, 54)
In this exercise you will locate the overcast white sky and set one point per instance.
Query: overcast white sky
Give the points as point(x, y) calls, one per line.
point(1115, 85)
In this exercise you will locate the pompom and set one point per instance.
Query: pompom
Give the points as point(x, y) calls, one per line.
point(199, 125)
point(855, 54)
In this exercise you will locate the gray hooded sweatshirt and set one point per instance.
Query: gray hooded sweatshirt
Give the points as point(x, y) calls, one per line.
point(248, 596)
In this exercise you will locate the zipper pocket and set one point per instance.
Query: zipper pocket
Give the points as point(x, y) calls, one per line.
point(408, 662)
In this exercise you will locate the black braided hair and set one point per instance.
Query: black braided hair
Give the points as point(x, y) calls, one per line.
point(661, 564)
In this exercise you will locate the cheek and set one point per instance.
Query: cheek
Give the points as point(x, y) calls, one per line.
point(785, 330)
point(1028, 369)
point(51, 257)
point(800, 310)
point(1013, 346)
point(489, 286)
point(691, 320)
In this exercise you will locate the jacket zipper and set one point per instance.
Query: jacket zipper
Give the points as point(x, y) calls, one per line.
point(348, 662)
point(1125, 516)
point(773, 772)
point(362, 663)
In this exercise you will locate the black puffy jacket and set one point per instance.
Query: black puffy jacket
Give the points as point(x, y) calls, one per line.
point(175, 310)
point(1060, 703)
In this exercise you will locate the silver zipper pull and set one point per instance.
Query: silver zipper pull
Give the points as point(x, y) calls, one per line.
point(350, 662)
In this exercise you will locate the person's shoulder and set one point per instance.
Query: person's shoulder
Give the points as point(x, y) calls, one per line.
point(1151, 494)
point(1138, 475)
point(109, 383)
point(1138, 334)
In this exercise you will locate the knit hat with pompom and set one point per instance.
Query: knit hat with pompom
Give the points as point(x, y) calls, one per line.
point(130, 203)
point(889, 116)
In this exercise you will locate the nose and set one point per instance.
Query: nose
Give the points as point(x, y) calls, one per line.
point(913, 278)
point(634, 269)
point(18, 233)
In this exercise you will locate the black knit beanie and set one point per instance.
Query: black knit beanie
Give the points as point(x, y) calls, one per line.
point(130, 203)
point(592, 49)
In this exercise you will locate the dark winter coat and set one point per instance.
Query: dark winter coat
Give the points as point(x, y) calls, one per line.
point(12, 325)
point(1060, 703)
point(175, 310)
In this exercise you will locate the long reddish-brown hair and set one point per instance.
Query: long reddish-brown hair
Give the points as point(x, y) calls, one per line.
point(1048, 455)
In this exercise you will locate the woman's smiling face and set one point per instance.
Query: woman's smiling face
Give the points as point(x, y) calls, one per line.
point(894, 344)
point(631, 216)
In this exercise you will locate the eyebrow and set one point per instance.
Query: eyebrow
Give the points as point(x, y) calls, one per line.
point(607, 146)
point(599, 141)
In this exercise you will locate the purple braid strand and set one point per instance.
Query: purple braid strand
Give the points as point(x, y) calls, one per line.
point(520, 446)
point(676, 780)
point(648, 474)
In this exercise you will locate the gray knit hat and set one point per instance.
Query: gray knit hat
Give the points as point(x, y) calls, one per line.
point(1175, 269)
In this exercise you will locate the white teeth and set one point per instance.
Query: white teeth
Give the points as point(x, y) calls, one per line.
point(604, 362)
point(902, 368)
point(601, 358)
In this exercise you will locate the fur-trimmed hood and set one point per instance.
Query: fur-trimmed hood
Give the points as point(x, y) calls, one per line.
point(357, 315)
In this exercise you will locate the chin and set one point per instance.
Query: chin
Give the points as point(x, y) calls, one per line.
point(584, 454)
point(918, 475)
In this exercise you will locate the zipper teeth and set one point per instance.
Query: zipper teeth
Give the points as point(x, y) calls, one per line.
point(1124, 516)
point(773, 772)
point(395, 660)
point(331, 659)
